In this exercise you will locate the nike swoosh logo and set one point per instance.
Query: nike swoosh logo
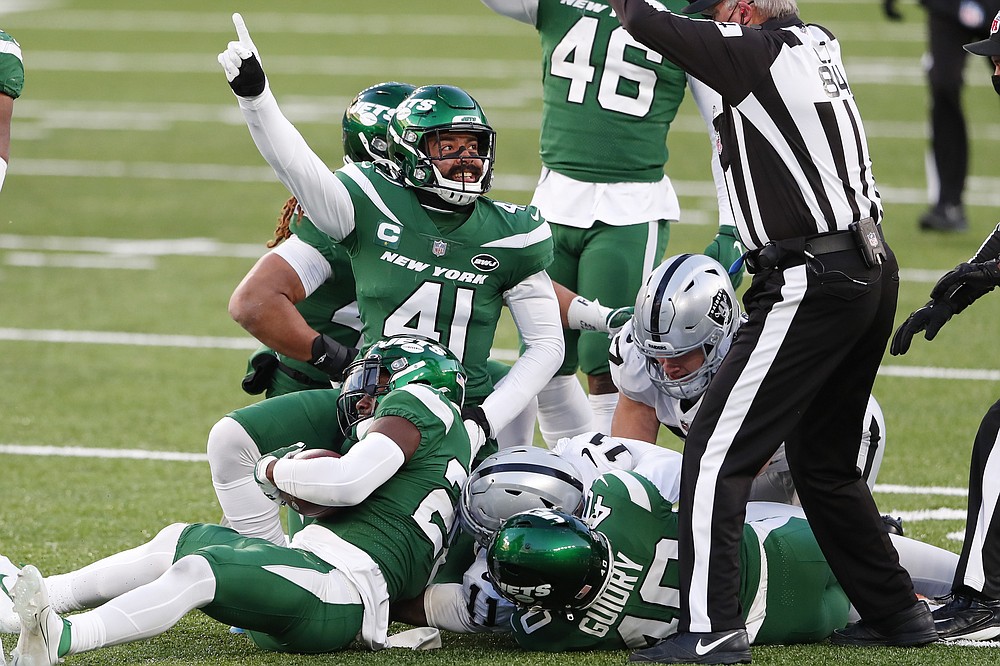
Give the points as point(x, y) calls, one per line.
point(702, 649)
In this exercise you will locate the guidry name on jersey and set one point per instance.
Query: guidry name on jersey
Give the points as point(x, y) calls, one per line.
point(779, 559)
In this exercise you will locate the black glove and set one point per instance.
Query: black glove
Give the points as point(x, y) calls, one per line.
point(929, 319)
point(241, 63)
point(250, 81)
point(331, 357)
point(478, 416)
point(890, 11)
point(977, 277)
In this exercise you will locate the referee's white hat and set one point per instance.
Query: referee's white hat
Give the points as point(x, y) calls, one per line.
point(987, 47)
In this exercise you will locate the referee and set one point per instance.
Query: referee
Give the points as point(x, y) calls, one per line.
point(820, 307)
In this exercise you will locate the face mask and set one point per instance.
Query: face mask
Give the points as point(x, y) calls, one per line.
point(996, 83)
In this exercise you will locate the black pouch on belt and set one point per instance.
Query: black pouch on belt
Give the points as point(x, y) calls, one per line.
point(868, 236)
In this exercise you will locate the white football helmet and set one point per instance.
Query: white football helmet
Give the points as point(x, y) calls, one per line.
point(515, 480)
point(686, 303)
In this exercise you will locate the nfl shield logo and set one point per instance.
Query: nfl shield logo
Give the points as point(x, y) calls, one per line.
point(439, 248)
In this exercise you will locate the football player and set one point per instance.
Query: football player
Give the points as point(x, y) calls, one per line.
point(610, 581)
point(972, 611)
point(11, 84)
point(515, 480)
point(299, 298)
point(608, 103)
point(431, 254)
point(406, 461)
point(686, 315)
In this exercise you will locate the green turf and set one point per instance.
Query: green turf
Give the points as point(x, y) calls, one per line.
point(128, 131)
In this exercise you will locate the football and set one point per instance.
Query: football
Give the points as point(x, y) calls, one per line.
point(301, 506)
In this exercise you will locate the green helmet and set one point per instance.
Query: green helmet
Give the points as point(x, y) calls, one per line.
point(549, 559)
point(366, 120)
point(433, 112)
point(395, 362)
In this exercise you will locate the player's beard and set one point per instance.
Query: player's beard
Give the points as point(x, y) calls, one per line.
point(996, 83)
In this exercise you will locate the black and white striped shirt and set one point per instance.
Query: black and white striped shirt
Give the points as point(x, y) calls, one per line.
point(789, 134)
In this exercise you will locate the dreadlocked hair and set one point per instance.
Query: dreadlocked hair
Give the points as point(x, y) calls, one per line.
point(289, 212)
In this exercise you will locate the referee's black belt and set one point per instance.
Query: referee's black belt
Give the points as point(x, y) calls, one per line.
point(836, 241)
point(793, 251)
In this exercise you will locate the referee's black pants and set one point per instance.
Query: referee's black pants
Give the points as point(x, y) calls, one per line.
point(979, 565)
point(799, 371)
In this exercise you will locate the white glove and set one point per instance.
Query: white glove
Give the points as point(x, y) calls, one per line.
point(260, 469)
point(476, 435)
point(241, 63)
point(260, 476)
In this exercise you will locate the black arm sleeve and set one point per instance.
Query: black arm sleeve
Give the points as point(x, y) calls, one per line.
point(729, 58)
point(990, 249)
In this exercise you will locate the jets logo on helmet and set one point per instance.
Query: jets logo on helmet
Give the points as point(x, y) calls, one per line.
point(366, 120)
point(549, 559)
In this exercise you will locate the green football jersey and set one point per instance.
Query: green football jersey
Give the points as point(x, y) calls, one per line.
point(607, 101)
point(403, 524)
point(640, 604)
point(444, 285)
point(11, 66)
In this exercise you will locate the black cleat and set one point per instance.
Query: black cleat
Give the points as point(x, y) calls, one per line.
point(892, 525)
point(966, 618)
point(909, 627)
point(715, 647)
point(944, 217)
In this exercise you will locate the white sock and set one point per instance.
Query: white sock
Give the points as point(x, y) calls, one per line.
point(148, 610)
point(563, 410)
point(603, 406)
point(113, 576)
point(521, 430)
point(232, 455)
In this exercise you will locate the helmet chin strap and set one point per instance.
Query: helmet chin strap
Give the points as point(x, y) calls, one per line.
point(433, 199)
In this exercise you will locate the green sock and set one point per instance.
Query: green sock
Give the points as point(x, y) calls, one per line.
point(64, 640)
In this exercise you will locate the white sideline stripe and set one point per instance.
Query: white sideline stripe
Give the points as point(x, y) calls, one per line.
point(507, 112)
point(892, 489)
point(135, 339)
point(939, 373)
point(87, 452)
point(518, 183)
point(214, 342)
point(159, 340)
point(155, 247)
point(212, 248)
point(929, 514)
point(145, 454)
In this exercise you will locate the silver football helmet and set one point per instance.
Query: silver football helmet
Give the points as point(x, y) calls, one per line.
point(515, 480)
point(686, 303)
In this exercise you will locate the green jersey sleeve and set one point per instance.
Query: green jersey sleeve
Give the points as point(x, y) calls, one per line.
point(11, 66)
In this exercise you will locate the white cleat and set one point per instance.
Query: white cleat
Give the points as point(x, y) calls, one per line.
point(41, 627)
point(9, 622)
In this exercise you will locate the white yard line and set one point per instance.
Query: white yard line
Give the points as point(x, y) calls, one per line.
point(248, 343)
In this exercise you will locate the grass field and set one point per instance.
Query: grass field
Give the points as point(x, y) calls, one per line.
point(136, 201)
